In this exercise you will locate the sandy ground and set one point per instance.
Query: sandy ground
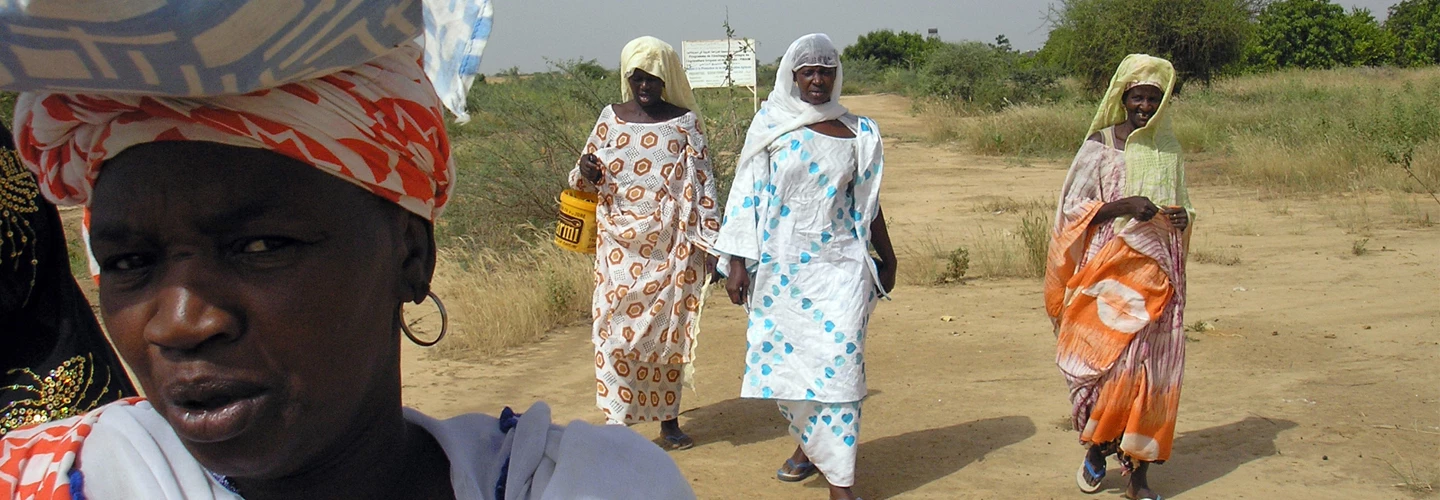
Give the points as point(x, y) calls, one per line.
point(1322, 372)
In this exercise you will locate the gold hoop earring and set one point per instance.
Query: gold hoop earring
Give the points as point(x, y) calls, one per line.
point(444, 323)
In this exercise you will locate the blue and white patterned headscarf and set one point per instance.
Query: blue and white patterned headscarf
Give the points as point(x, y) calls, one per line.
point(456, 32)
point(197, 48)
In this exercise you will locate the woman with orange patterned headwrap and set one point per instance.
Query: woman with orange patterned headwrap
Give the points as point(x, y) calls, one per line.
point(255, 252)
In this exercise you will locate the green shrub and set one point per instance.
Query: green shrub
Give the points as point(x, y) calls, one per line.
point(970, 71)
point(889, 49)
point(1316, 34)
point(1201, 37)
point(1415, 26)
point(956, 265)
point(866, 76)
point(514, 157)
point(974, 76)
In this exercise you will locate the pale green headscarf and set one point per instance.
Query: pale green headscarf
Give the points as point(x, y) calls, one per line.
point(1153, 167)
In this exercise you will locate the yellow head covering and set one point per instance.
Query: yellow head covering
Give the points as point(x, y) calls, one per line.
point(654, 56)
point(1153, 167)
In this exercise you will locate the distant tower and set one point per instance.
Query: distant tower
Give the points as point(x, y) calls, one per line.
point(933, 33)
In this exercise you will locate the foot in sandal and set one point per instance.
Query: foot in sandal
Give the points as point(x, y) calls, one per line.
point(1139, 488)
point(672, 438)
point(1092, 470)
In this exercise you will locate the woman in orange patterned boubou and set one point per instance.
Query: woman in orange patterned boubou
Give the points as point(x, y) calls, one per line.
point(657, 218)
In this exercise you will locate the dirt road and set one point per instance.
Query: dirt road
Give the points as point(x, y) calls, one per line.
point(1320, 378)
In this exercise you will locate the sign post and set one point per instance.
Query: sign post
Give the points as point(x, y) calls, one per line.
point(721, 63)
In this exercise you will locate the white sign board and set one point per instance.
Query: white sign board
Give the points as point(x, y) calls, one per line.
point(706, 63)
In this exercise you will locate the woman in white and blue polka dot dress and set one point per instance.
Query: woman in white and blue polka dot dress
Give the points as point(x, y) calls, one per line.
point(802, 215)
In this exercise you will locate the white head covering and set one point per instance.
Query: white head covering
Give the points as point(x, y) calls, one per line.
point(654, 56)
point(752, 195)
point(784, 111)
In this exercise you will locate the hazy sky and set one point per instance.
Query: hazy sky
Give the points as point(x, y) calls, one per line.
point(529, 31)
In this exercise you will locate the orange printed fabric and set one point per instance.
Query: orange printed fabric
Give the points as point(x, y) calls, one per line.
point(36, 462)
point(378, 125)
point(1108, 302)
point(629, 392)
point(656, 220)
point(1067, 249)
point(1120, 338)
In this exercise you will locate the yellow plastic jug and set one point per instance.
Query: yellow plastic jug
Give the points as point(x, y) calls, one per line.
point(576, 229)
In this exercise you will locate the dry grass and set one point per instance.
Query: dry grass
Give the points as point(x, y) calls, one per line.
point(999, 254)
point(1357, 247)
point(1352, 214)
point(1285, 132)
point(1004, 205)
point(1413, 210)
point(1215, 255)
point(1280, 207)
point(922, 262)
point(501, 301)
point(1243, 228)
point(1027, 130)
point(1416, 479)
point(1018, 252)
point(1361, 214)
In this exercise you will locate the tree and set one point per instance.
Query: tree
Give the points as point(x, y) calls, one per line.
point(970, 71)
point(1415, 26)
point(890, 49)
point(1370, 44)
point(587, 69)
point(1202, 38)
point(1002, 43)
point(986, 76)
point(1317, 34)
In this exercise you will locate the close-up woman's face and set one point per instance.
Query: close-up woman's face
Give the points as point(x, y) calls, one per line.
point(255, 297)
point(646, 88)
point(815, 83)
point(1141, 103)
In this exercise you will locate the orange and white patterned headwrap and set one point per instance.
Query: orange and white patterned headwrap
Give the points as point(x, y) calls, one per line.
point(378, 125)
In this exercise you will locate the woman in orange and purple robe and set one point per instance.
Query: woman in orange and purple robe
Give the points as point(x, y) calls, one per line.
point(1115, 280)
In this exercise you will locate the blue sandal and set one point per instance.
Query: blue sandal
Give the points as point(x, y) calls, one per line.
point(678, 442)
point(1086, 474)
point(799, 472)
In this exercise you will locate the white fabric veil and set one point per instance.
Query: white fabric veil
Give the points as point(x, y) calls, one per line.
point(783, 111)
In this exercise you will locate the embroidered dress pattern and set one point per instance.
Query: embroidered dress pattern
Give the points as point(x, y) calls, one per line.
point(813, 285)
point(657, 216)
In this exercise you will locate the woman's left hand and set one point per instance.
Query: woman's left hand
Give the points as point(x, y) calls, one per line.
point(887, 275)
point(710, 262)
point(1177, 216)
